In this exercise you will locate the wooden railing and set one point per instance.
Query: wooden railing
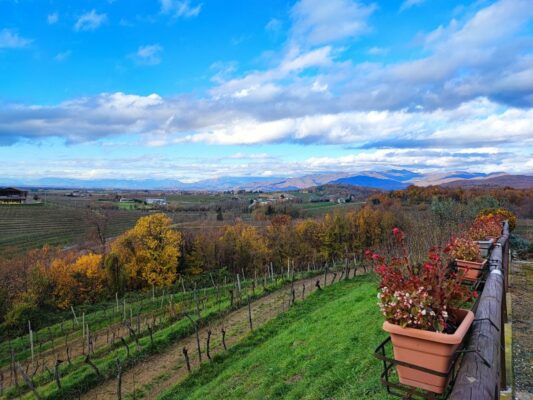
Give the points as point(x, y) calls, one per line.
point(482, 373)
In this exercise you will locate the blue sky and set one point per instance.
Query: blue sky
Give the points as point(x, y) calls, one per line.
point(199, 89)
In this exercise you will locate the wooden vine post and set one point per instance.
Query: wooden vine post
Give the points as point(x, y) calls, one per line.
point(187, 362)
point(208, 343)
point(250, 314)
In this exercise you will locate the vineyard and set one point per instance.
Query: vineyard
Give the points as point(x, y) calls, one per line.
point(88, 353)
point(319, 349)
point(32, 226)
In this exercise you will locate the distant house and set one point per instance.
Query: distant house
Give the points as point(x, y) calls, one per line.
point(156, 202)
point(12, 196)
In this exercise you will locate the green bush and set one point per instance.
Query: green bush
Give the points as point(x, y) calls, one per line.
point(521, 245)
point(25, 309)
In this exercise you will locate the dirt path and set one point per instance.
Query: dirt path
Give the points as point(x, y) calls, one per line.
point(522, 304)
point(159, 372)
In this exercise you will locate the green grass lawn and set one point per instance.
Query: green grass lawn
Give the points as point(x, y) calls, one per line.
point(321, 348)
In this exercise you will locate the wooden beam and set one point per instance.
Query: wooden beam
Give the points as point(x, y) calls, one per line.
point(482, 370)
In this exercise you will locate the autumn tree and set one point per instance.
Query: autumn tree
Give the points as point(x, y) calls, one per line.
point(308, 233)
point(242, 248)
point(203, 253)
point(281, 240)
point(115, 273)
point(98, 227)
point(150, 251)
point(335, 236)
point(81, 281)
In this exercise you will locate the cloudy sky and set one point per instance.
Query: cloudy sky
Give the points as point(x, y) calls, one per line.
point(193, 89)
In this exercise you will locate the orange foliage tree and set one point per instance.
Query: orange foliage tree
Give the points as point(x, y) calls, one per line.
point(81, 281)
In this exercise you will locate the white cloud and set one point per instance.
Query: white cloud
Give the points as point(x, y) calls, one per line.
point(90, 21)
point(317, 22)
point(52, 18)
point(149, 54)
point(10, 39)
point(274, 26)
point(261, 82)
point(378, 51)
point(63, 55)
point(474, 123)
point(180, 8)
point(410, 3)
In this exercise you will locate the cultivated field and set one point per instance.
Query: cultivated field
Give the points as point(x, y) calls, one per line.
point(62, 220)
point(24, 227)
point(83, 353)
point(321, 348)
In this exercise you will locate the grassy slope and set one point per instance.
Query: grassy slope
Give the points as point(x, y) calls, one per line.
point(322, 348)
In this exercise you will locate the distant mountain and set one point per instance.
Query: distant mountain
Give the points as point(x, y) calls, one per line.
point(229, 183)
point(66, 183)
point(440, 178)
point(219, 184)
point(393, 179)
point(401, 175)
point(515, 181)
point(302, 182)
point(371, 182)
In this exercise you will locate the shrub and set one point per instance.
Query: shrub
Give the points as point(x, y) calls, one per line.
point(25, 309)
point(521, 245)
point(423, 296)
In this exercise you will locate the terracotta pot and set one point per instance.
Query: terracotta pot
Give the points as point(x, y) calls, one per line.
point(472, 269)
point(431, 350)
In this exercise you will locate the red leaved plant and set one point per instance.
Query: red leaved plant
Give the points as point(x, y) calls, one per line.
point(423, 296)
point(485, 227)
point(464, 248)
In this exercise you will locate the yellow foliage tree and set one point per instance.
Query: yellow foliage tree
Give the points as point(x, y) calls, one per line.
point(150, 251)
point(78, 281)
point(242, 248)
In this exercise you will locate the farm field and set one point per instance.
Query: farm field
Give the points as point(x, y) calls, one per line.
point(62, 220)
point(25, 227)
point(321, 348)
point(319, 209)
point(149, 379)
point(158, 323)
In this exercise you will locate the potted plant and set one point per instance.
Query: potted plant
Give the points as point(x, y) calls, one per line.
point(467, 256)
point(502, 213)
point(422, 307)
point(486, 227)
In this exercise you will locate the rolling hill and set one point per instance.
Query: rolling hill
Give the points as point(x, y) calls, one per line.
point(392, 179)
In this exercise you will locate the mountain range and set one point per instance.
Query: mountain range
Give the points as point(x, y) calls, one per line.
point(393, 179)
